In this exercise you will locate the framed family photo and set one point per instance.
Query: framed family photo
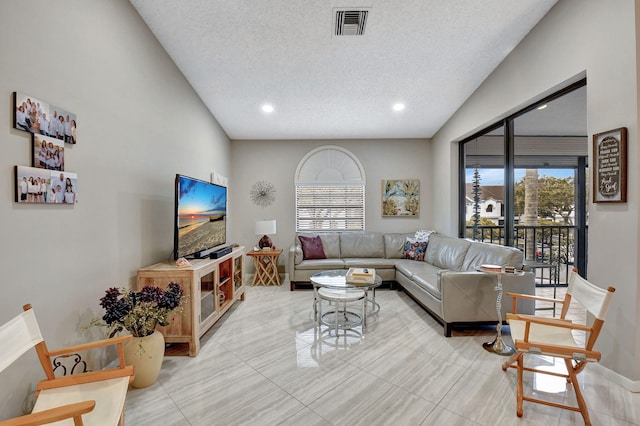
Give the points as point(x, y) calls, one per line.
point(37, 186)
point(610, 166)
point(35, 116)
point(48, 153)
point(401, 197)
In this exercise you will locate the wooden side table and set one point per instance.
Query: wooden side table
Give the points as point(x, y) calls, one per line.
point(266, 263)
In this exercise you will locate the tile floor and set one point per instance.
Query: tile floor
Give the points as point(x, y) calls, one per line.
point(264, 363)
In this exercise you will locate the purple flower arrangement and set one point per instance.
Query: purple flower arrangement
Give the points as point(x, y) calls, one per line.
point(140, 312)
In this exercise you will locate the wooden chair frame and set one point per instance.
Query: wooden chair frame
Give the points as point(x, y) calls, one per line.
point(76, 410)
point(575, 358)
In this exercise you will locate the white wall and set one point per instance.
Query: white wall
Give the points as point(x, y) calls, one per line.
point(139, 123)
point(576, 37)
point(276, 162)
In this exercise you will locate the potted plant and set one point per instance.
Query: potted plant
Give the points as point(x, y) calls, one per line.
point(139, 312)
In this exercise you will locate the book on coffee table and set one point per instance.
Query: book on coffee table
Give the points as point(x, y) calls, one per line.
point(361, 275)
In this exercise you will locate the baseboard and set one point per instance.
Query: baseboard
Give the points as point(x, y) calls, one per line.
point(628, 384)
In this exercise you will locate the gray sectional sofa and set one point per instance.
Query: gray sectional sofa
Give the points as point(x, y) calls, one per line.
point(446, 283)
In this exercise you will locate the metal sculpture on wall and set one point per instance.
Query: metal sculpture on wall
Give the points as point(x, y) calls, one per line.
point(263, 193)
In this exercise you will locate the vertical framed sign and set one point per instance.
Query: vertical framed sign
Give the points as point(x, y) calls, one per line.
point(610, 166)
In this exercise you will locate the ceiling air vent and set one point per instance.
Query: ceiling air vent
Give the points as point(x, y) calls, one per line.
point(350, 22)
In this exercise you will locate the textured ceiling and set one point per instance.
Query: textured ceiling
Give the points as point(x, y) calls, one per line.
point(428, 54)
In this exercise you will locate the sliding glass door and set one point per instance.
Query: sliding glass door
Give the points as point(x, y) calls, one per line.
point(523, 183)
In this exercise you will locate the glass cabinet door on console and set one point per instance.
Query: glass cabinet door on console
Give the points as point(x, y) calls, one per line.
point(207, 296)
point(238, 276)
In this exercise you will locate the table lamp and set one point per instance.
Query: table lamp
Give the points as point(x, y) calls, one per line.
point(265, 227)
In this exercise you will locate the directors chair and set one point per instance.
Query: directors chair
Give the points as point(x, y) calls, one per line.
point(553, 337)
point(95, 397)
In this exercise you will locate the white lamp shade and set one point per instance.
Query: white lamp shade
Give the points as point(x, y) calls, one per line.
point(266, 227)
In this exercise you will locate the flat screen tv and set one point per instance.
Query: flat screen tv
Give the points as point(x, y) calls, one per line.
point(200, 217)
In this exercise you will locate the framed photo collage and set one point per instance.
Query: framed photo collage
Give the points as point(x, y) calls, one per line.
point(52, 129)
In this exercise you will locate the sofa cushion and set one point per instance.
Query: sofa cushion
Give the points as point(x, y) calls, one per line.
point(483, 253)
point(361, 244)
point(414, 250)
point(405, 267)
point(312, 247)
point(330, 243)
point(446, 252)
point(320, 264)
point(423, 274)
point(430, 282)
point(369, 262)
point(394, 245)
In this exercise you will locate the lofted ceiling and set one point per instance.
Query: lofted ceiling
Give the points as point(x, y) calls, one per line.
point(429, 55)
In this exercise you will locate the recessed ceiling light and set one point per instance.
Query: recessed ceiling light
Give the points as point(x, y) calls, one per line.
point(267, 108)
point(398, 107)
point(542, 106)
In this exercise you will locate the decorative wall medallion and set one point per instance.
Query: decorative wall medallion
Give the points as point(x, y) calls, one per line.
point(263, 193)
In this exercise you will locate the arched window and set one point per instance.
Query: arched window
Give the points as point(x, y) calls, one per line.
point(329, 185)
point(489, 208)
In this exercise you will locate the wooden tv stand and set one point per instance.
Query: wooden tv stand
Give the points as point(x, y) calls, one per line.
point(210, 286)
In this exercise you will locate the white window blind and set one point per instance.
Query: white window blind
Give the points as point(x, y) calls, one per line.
point(329, 207)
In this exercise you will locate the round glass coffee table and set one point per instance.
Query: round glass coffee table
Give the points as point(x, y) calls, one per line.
point(336, 279)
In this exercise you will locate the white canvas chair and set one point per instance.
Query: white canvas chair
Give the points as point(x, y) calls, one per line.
point(553, 337)
point(97, 398)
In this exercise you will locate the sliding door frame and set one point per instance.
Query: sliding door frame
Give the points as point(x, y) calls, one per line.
point(509, 185)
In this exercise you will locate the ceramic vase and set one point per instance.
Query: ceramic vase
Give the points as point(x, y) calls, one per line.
point(146, 355)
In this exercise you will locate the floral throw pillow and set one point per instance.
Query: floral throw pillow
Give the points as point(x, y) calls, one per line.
point(414, 249)
point(312, 248)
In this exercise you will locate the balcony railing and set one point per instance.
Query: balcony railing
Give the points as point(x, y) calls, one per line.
point(549, 250)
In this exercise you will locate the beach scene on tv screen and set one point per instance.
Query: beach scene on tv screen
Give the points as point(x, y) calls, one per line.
point(201, 216)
